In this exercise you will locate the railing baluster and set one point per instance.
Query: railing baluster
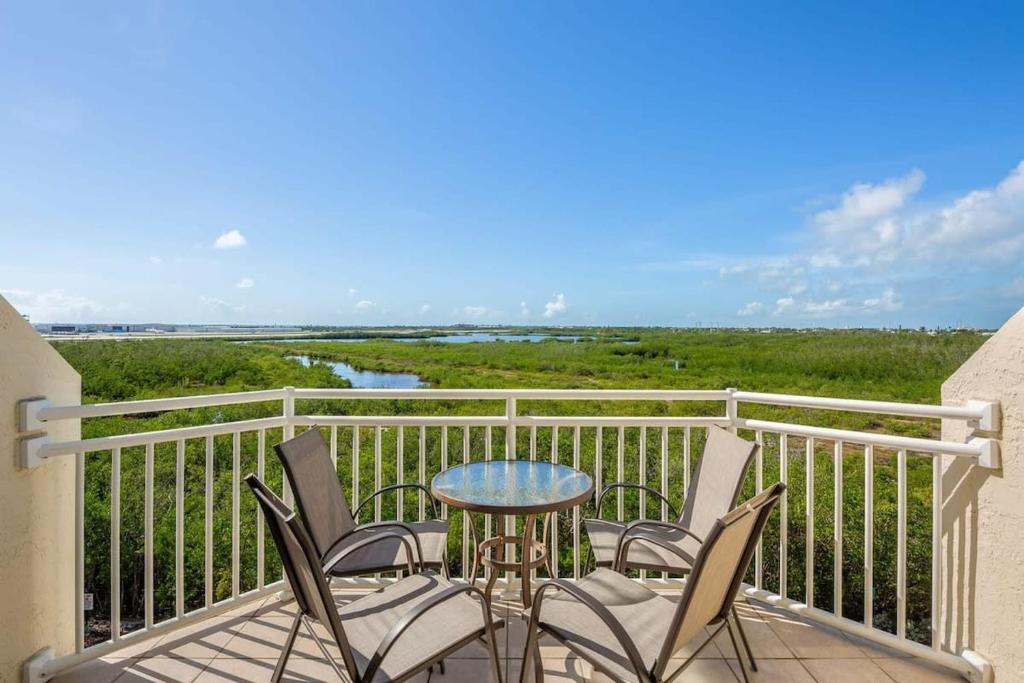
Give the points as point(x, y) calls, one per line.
point(378, 475)
point(334, 446)
point(400, 471)
point(261, 466)
point(444, 464)
point(147, 553)
point(784, 516)
point(620, 473)
point(356, 446)
point(664, 480)
point(643, 482)
point(208, 522)
point(465, 513)
point(422, 466)
point(179, 528)
point(576, 508)
point(79, 552)
point(686, 459)
point(869, 535)
point(598, 462)
point(837, 530)
point(809, 524)
point(758, 487)
point(236, 469)
point(533, 442)
point(554, 515)
point(901, 544)
point(115, 544)
point(487, 456)
point(936, 546)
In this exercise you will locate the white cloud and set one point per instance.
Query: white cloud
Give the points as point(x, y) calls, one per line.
point(246, 283)
point(476, 311)
point(424, 309)
point(753, 308)
point(220, 306)
point(784, 305)
point(155, 260)
point(556, 307)
point(864, 204)
point(232, 239)
point(52, 306)
point(365, 306)
point(352, 291)
point(886, 303)
point(524, 310)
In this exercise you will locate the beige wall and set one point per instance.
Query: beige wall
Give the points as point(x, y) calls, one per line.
point(983, 513)
point(37, 513)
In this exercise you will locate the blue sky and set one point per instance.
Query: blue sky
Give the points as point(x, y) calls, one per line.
point(597, 163)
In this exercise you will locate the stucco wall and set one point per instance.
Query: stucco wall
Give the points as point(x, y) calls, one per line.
point(37, 518)
point(983, 513)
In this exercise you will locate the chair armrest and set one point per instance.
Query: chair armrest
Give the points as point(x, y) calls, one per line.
point(629, 485)
point(330, 560)
point(599, 610)
point(403, 624)
point(394, 487)
point(658, 523)
point(623, 550)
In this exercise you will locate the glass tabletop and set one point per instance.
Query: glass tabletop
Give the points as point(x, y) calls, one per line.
point(512, 486)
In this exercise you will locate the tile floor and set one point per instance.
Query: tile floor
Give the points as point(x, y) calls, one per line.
point(242, 647)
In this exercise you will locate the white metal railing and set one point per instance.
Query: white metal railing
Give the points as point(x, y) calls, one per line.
point(673, 441)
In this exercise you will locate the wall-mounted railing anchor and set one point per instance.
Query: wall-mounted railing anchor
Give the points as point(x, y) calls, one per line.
point(989, 411)
point(35, 669)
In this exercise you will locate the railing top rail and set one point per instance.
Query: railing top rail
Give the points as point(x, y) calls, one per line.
point(985, 413)
point(50, 449)
point(521, 394)
point(974, 410)
point(156, 405)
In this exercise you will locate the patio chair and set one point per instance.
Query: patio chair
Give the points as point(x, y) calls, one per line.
point(628, 631)
point(334, 528)
point(713, 491)
point(390, 635)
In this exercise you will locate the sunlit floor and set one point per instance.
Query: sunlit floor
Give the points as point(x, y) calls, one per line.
point(243, 646)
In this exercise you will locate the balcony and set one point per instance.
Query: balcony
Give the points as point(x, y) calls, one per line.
point(881, 586)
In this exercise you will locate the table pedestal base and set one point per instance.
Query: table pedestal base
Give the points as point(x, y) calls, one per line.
point(524, 566)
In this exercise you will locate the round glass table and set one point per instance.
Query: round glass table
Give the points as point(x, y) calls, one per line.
point(509, 488)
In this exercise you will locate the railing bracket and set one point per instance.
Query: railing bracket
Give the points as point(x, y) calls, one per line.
point(29, 451)
point(989, 455)
point(35, 668)
point(989, 420)
point(28, 414)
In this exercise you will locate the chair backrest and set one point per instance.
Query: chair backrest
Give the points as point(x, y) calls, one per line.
point(718, 570)
point(306, 460)
point(715, 486)
point(301, 565)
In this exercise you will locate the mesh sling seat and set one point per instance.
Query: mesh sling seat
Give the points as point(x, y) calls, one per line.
point(337, 536)
point(629, 632)
point(389, 635)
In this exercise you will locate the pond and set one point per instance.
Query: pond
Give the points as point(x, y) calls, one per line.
point(367, 379)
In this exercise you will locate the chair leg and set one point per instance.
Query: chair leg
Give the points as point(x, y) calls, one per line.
point(531, 654)
point(289, 642)
point(743, 637)
point(323, 650)
point(735, 646)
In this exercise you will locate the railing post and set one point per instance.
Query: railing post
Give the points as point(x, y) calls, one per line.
point(289, 432)
point(732, 409)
